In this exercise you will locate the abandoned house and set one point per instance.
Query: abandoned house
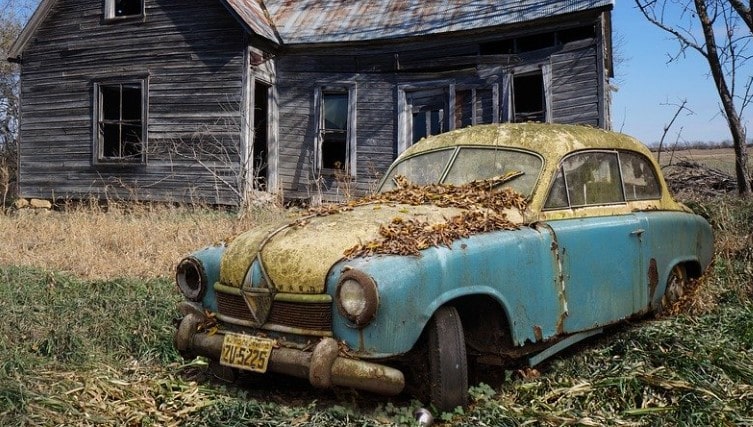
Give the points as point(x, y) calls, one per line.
point(205, 100)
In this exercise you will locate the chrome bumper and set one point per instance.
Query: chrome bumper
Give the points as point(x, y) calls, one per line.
point(323, 367)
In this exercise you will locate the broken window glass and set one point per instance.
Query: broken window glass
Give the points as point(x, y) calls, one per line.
point(334, 130)
point(120, 122)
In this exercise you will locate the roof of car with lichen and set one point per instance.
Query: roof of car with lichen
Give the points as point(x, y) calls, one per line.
point(550, 140)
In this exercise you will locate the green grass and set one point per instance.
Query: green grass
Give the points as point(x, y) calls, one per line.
point(78, 352)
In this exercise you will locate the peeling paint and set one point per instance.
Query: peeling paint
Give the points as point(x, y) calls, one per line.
point(537, 333)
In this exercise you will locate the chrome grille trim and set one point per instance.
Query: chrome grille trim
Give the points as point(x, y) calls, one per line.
point(316, 316)
point(306, 318)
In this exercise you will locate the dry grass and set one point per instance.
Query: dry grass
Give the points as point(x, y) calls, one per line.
point(91, 348)
point(94, 242)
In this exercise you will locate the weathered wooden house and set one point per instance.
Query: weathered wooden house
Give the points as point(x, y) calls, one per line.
point(203, 100)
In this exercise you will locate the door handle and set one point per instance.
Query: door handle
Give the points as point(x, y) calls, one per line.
point(637, 232)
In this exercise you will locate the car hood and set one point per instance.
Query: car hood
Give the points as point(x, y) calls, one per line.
point(298, 256)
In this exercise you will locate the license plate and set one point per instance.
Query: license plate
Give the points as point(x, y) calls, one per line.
point(246, 352)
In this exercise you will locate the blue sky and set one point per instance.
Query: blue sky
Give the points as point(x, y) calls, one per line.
point(645, 81)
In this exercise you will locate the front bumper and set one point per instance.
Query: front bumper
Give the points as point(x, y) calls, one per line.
point(324, 367)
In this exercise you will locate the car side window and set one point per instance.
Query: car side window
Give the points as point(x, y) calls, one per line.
point(558, 194)
point(589, 178)
point(638, 177)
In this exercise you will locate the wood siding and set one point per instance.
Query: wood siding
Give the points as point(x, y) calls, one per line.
point(194, 69)
point(379, 71)
point(192, 54)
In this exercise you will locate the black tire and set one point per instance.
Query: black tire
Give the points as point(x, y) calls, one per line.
point(677, 283)
point(448, 366)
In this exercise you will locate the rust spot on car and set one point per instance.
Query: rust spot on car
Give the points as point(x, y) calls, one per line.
point(653, 278)
point(537, 333)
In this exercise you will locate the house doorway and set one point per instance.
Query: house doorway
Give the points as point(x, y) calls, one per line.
point(260, 160)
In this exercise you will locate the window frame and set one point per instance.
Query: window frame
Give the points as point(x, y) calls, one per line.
point(450, 111)
point(98, 141)
point(620, 174)
point(351, 132)
point(110, 16)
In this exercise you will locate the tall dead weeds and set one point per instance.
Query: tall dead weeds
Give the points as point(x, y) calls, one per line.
point(117, 240)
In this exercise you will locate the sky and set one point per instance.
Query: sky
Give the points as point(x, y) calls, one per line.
point(646, 83)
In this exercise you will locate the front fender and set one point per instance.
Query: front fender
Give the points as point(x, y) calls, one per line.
point(513, 267)
point(210, 258)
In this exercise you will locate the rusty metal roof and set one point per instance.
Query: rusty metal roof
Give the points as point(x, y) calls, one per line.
point(252, 13)
point(331, 21)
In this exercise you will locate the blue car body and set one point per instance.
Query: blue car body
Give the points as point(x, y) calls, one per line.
point(589, 236)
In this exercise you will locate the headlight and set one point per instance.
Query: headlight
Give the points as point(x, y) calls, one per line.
point(357, 297)
point(191, 278)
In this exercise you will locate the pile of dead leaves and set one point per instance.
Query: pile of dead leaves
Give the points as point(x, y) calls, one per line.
point(484, 206)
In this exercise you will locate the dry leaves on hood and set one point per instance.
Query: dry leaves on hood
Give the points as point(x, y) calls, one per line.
point(484, 206)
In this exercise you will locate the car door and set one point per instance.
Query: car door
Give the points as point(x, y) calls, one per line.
point(598, 241)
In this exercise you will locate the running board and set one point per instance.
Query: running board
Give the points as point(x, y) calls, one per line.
point(565, 343)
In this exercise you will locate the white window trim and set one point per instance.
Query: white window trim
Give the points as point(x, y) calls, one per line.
point(264, 73)
point(351, 151)
point(97, 143)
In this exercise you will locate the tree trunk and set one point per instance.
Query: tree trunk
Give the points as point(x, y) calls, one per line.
point(733, 119)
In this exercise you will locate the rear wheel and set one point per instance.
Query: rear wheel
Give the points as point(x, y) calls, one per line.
point(677, 283)
point(448, 366)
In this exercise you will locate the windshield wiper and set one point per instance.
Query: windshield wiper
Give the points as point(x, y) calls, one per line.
point(498, 180)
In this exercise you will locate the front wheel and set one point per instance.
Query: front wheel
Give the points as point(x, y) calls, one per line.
point(448, 366)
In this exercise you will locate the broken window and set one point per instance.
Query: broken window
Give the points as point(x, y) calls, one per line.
point(123, 8)
point(428, 110)
point(476, 105)
point(121, 131)
point(434, 108)
point(529, 102)
point(534, 42)
point(336, 136)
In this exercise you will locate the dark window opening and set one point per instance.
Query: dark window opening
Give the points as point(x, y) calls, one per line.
point(334, 130)
point(574, 34)
point(428, 122)
point(528, 98)
point(128, 7)
point(120, 122)
point(535, 42)
point(473, 107)
point(260, 160)
point(429, 112)
point(498, 47)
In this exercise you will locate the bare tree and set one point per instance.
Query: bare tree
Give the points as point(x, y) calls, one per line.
point(12, 16)
point(721, 31)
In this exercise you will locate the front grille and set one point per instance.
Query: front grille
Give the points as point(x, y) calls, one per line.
point(316, 315)
point(233, 306)
point(312, 316)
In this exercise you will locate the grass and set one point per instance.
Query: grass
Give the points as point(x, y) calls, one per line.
point(102, 242)
point(86, 339)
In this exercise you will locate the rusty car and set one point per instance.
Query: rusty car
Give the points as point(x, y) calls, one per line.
point(495, 244)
